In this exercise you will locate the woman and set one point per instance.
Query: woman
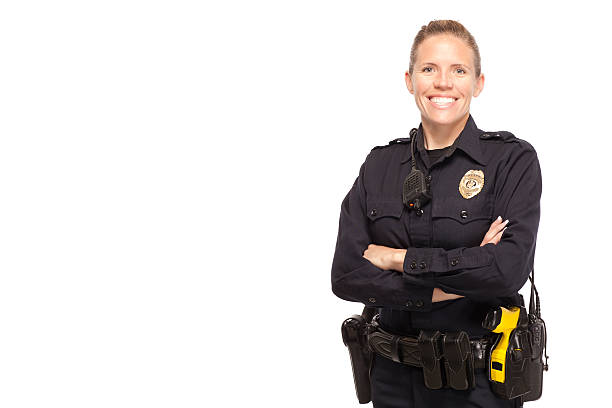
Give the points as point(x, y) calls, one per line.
point(471, 247)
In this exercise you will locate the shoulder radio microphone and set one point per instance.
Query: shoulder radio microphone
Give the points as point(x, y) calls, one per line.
point(415, 192)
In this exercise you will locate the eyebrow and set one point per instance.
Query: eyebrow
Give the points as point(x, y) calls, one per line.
point(452, 65)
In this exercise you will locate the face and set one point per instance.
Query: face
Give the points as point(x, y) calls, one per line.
point(444, 68)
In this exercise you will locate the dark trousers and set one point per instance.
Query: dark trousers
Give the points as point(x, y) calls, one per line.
point(396, 385)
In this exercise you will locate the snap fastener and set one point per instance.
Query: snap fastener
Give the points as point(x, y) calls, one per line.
point(419, 212)
point(373, 212)
point(454, 262)
point(413, 265)
point(419, 303)
point(428, 179)
point(464, 214)
point(422, 265)
point(372, 300)
point(409, 303)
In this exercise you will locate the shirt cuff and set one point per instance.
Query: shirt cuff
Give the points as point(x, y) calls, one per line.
point(423, 260)
point(417, 299)
point(419, 261)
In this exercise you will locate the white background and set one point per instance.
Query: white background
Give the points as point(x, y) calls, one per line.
point(171, 176)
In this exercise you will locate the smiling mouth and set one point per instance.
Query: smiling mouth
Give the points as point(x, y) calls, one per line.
point(442, 102)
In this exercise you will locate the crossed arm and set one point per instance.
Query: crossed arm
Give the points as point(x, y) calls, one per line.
point(393, 258)
point(374, 274)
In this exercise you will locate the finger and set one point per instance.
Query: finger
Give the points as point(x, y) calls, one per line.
point(499, 235)
point(495, 226)
point(497, 221)
point(495, 229)
point(495, 238)
point(500, 226)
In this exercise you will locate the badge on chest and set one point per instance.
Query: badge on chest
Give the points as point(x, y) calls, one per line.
point(471, 183)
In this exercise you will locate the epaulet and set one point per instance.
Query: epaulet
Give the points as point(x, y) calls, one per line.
point(501, 135)
point(399, 140)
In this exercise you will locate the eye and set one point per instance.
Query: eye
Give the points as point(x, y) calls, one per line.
point(462, 70)
point(426, 69)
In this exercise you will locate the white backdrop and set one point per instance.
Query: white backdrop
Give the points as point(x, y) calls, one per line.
point(171, 176)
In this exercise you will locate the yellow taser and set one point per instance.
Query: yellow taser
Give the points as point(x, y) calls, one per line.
point(501, 320)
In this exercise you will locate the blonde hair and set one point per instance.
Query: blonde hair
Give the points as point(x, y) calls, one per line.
point(451, 27)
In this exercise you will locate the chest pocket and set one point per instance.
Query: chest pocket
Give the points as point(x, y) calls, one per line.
point(384, 220)
point(459, 222)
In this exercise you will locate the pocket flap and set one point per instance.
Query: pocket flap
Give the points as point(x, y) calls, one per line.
point(377, 209)
point(461, 209)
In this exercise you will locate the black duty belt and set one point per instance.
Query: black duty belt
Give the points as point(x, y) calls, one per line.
point(448, 359)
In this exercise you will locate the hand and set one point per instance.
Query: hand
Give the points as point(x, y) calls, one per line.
point(385, 257)
point(496, 230)
point(439, 295)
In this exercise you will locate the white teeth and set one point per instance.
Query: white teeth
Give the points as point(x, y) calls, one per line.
point(439, 100)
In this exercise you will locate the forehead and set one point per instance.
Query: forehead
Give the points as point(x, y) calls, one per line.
point(443, 48)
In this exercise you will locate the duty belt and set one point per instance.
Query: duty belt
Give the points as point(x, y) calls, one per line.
point(452, 353)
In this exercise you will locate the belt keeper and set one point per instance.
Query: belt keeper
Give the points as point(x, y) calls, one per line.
point(431, 358)
point(459, 361)
point(395, 349)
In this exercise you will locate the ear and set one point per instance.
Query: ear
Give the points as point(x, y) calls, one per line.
point(409, 83)
point(479, 85)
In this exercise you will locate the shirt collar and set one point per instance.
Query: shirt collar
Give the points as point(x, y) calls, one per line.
point(468, 141)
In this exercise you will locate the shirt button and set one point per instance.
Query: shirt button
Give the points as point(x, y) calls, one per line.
point(454, 262)
point(373, 212)
point(412, 265)
point(372, 300)
point(409, 303)
point(419, 212)
point(463, 214)
point(428, 179)
point(419, 303)
point(422, 265)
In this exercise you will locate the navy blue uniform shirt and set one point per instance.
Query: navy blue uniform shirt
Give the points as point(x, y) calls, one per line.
point(501, 176)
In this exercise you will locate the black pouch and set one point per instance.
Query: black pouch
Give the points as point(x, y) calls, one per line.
point(430, 347)
point(458, 361)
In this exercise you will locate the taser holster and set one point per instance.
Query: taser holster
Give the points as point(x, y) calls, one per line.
point(525, 368)
point(355, 337)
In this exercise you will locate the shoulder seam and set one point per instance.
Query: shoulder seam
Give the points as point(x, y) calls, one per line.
point(399, 140)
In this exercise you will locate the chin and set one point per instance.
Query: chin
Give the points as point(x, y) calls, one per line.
point(443, 119)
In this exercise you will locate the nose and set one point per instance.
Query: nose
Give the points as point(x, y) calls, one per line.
point(443, 80)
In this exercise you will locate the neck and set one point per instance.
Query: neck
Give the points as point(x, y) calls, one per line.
point(438, 136)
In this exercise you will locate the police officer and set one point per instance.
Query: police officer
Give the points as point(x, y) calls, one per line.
point(469, 248)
